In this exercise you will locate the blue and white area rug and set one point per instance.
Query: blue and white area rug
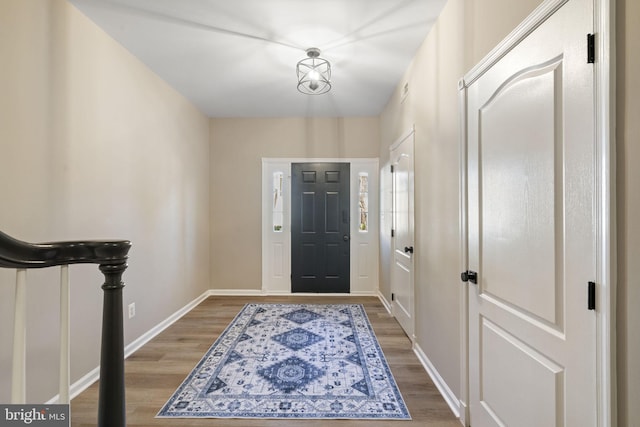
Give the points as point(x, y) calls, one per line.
point(292, 361)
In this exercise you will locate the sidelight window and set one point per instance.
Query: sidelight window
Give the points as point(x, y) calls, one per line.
point(278, 205)
point(363, 201)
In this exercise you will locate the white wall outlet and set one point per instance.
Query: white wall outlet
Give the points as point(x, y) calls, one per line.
point(132, 310)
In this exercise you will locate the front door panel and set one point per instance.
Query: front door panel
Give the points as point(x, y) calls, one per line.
point(320, 237)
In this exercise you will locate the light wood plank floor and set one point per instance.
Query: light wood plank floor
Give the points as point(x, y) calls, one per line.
point(154, 372)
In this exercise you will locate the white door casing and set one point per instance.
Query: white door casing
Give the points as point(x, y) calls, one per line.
point(534, 214)
point(276, 245)
point(402, 269)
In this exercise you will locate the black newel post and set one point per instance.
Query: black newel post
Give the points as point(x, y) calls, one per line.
point(111, 402)
point(111, 256)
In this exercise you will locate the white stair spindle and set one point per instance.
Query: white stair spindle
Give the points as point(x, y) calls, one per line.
point(19, 369)
point(64, 336)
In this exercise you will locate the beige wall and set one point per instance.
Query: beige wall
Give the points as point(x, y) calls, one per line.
point(487, 22)
point(237, 149)
point(432, 105)
point(94, 146)
point(628, 157)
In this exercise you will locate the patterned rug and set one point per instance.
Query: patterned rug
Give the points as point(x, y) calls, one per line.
point(300, 361)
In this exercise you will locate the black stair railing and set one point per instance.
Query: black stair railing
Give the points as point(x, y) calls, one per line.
point(111, 257)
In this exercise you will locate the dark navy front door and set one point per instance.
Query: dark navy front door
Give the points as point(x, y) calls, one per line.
point(320, 227)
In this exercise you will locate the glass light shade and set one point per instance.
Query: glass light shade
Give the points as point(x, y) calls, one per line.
point(314, 74)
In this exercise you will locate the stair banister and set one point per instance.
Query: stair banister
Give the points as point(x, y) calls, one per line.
point(111, 257)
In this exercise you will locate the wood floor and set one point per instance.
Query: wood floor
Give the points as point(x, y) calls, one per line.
point(154, 372)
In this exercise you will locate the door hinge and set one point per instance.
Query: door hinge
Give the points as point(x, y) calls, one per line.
point(591, 296)
point(393, 296)
point(391, 168)
point(591, 48)
point(393, 232)
point(469, 276)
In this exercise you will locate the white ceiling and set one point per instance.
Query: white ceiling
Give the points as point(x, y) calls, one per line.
point(237, 58)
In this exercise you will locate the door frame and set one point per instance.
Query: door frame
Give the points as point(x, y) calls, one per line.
point(364, 247)
point(605, 208)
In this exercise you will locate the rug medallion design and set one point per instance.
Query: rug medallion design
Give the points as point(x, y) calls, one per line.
point(292, 361)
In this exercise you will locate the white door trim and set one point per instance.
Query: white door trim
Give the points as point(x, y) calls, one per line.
point(605, 209)
point(363, 269)
point(606, 276)
point(464, 260)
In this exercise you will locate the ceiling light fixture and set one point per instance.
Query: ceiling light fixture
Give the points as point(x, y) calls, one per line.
point(314, 73)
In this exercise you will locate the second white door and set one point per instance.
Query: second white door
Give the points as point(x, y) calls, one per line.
point(402, 281)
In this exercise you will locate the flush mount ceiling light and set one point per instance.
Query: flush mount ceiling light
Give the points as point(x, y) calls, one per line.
point(314, 73)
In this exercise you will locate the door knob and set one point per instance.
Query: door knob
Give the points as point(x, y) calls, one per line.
point(345, 238)
point(408, 249)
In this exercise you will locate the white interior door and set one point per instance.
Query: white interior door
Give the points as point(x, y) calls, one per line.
point(532, 338)
point(403, 237)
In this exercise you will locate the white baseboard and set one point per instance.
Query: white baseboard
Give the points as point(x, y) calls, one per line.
point(364, 293)
point(263, 293)
point(320, 294)
point(79, 386)
point(384, 302)
point(236, 292)
point(445, 391)
point(276, 292)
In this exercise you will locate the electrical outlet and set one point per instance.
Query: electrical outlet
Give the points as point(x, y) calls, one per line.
point(132, 310)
